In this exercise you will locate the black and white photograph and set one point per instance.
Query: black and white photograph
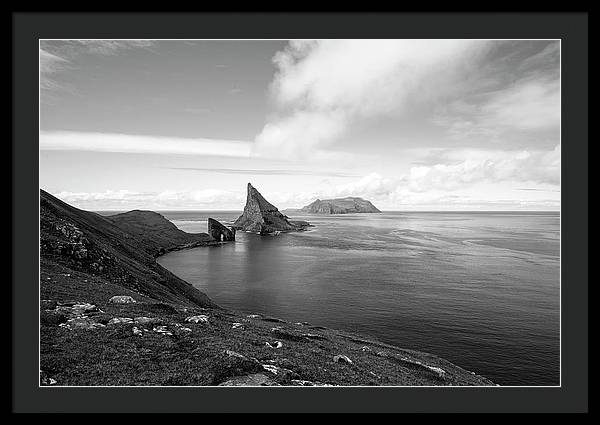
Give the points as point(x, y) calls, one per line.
point(300, 212)
point(308, 212)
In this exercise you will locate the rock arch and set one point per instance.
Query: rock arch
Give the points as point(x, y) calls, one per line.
point(219, 232)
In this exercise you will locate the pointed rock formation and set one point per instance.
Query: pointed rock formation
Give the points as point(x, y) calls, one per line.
point(219, 232)
point(262, 217)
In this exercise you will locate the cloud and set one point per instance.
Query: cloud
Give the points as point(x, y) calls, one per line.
point(443, 185)
point(300, 134)
point(74, 48)
point(127, 199)
point(56, 56)
point(513, 100)
point(50, 64)
point(321, 87)
point(541, 167)
point(526, 107)
point(125, 143)
point(109, 47)
point(266, 172)
point(442, 182)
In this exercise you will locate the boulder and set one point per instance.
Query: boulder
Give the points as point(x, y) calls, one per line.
point(81, 323)
point(254, 380)
point(202, 318)
point(122, 299)
point(120, 320)
point(342, 359)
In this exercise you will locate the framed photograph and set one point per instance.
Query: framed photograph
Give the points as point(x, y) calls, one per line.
point(329, 212)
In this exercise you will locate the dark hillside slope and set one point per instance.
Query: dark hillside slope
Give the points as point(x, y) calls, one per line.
point(158, 233)
point(115, 251)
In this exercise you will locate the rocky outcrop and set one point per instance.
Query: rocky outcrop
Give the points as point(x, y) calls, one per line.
point(219, 232)
point(340, 206)
point(262, 217)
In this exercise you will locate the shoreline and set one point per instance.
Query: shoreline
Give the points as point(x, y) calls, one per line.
point(362, 338)
point(166, 332)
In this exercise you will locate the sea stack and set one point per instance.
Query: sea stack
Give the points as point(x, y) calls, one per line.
point(262, 217)
point(220, 232)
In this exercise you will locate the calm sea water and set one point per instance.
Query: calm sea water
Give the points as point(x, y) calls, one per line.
point(479, 289)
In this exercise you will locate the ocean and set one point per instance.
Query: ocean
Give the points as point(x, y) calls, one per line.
point(480, 289)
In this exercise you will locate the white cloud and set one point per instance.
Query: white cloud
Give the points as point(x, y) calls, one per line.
point(107, 47)
point(442, 185)
point(525, 107)
point(300, 134)
point(322, 86)
point(127, 199)
point(57, 56)
point(113, 142)
point(541, 167)
point(50, 65)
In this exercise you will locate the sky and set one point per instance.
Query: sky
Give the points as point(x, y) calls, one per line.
point(407, 124)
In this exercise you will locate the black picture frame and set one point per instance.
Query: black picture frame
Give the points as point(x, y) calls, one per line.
point(570, 28)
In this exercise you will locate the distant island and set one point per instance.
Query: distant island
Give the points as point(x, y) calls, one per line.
point(346, 205)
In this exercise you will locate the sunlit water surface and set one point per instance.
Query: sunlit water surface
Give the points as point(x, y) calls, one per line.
point(479, 289)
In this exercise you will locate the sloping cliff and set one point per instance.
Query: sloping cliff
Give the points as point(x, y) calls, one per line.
point(121, 249)
point(262, 217)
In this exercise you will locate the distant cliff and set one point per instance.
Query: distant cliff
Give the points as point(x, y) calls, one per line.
point(262, 217)
point(340, 206)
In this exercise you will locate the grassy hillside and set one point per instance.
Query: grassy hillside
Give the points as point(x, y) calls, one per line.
point(174, 334)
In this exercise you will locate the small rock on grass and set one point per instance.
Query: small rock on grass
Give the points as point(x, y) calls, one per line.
point(304, 383)
point(182, 328)
point(232, 353)
point(45, 379)
point(81, 323)
point(120, 320)
point(145, 320)
point(197, 319)
point(121, 299)
point(340, 358)
point(253, 380)
point(162, 330)
point(52, 318)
